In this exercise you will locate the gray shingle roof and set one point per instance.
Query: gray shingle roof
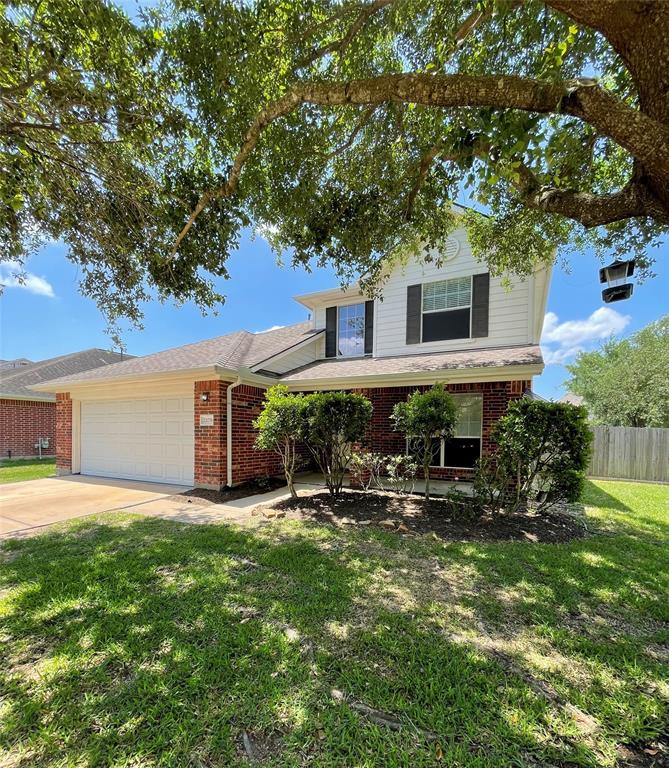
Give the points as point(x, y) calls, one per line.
point(240, 349)
point(571, 399)
point(343, 368)
point(15, 382)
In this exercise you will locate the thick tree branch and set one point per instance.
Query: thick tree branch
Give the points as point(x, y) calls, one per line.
point(646, 139)
point(593, 210)
point(587, 208)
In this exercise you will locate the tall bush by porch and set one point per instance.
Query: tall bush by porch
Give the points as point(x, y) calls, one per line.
point(281, 427)
point(542, 456)
point(423, 418)
point(333, 422)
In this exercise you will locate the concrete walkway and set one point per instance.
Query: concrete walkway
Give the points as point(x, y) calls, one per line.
point(238, 511)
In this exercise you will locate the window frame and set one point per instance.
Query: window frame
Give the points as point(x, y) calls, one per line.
point(442, 446)
point(448, 309)
point(339, 308)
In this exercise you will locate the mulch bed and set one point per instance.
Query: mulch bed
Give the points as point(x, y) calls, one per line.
point(442, 518)
point(203, 497)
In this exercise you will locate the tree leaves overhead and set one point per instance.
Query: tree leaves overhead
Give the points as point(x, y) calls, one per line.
point(147, 145)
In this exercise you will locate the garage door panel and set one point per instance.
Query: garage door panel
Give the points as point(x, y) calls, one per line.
point(147, 439)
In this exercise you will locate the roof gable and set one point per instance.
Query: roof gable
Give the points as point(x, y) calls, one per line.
point(241, 349)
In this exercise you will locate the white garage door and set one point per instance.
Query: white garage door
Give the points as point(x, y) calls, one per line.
point(139, 439)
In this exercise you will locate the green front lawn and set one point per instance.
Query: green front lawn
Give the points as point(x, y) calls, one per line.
point(130, 641)
point(15, 470)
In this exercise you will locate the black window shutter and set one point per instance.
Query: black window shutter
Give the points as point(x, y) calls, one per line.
point(414, 300)
point(331, 332)
point(369, 327)
point(480, 304)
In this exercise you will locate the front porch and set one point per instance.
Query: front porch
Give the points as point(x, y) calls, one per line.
point(437, 487)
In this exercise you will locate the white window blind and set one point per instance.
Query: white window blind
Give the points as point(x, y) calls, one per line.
point(447, 294)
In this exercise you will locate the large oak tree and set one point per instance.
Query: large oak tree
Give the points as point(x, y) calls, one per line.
point(342, 129)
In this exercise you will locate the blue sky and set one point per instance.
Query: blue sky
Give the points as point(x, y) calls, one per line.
point(49, 317)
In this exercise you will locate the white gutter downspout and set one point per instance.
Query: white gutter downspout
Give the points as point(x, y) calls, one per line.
point(228, 424)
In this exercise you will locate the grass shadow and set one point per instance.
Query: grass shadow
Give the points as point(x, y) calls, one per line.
point(141, 641)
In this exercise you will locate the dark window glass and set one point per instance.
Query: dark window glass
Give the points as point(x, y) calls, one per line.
point(462, 451)
point(452, 324)
point(416, 451)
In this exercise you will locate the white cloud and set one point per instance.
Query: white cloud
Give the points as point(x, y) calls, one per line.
point(273, 328)
point(266, 231)
point(563, 341)
point(12, 275)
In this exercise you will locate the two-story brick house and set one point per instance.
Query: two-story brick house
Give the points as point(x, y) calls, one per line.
point(185, 414)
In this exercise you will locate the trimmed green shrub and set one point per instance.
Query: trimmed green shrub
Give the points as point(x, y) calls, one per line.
point(280, 427)
point(424, 418)
point(334, 421)
point(542, 456)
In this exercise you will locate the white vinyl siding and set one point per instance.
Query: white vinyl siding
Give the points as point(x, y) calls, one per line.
point(298, 357)
point(508, 308)
point(513, 316)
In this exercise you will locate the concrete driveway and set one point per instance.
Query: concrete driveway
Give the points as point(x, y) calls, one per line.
point(36, 503)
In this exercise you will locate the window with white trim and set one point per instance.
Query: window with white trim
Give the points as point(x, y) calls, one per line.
point(463, 450)
point(351, 330)
point(447, 309)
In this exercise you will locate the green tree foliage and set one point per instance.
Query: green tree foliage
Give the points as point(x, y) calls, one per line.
point(334, 421)
point(542, 455)
point(93, 151)
point(626, 382)
point(339, 127)
point(280, 428)
point(425, 418)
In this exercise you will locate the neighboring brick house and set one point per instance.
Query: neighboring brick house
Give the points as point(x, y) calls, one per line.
point(186, 415)
point(26, 416)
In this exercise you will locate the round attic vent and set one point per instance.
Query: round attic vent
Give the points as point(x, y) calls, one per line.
point(450, 248)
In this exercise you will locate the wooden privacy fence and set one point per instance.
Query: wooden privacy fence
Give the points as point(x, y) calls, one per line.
point(633, 453)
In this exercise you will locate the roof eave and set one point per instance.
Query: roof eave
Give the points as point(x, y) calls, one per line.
point(58, 385)
point(311, 300)
point(214, 371)
point(30, 398)
point(461, 375)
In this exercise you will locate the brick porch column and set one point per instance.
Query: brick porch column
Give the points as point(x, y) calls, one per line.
point(210, 434)
point(63, 433)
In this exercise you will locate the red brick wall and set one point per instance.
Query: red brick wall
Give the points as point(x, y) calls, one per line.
point(381, 437)
point(247, 462)
point(63, 432)
point(22, 423)
point(210, 442)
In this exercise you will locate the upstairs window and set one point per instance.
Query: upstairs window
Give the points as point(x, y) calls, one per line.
point(447, 309)
point(351, 330)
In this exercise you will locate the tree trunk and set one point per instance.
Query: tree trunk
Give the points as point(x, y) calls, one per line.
point(426, 473)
